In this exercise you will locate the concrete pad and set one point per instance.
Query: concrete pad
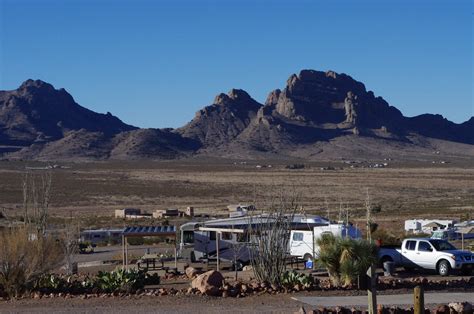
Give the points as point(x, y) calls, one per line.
point(396, 299)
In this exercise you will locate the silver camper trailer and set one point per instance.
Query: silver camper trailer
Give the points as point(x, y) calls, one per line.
point(231, 236)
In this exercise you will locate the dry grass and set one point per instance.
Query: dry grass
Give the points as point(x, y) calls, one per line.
point(95, 189)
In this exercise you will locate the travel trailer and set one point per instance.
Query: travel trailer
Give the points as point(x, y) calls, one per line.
point(234, 239)
point(303, 242)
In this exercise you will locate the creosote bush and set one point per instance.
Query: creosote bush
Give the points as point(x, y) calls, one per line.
point(25, 256)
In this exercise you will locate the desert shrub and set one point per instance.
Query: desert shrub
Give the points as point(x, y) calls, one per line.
point(136, 241)
point(292, 278)
point(346, 259)
point(24, 257)
point(124, 280)
point(386, 238)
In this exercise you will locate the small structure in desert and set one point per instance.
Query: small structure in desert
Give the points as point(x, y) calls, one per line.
point(170, 212)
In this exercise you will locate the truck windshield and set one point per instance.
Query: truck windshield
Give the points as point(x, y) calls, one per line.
point(441, 245)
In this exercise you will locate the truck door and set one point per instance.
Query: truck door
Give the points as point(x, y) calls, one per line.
point(409, 253)
point(425, 255)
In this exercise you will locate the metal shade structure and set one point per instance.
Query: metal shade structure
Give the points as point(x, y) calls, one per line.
point(146, 231)
point(149, 231)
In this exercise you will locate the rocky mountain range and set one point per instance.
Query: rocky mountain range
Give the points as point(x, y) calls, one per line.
point(317, 116)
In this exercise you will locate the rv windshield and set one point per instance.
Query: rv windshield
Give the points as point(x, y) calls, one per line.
point(441, 245)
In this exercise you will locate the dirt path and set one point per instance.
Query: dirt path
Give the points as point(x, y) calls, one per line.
point(164, 304)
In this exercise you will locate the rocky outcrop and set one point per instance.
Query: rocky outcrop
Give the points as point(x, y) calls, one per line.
point(315, 113)
point(37, 112)
point(222, 121)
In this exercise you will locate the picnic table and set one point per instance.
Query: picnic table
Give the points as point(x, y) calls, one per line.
point(151, 261)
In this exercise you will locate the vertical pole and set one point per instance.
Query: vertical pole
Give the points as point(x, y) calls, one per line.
point(372, 290)
point(314, 249)
point(462, 241)
point(123, 251)
point(175, 258)
point(218, 234)
point(126, 252)
point(419, 300)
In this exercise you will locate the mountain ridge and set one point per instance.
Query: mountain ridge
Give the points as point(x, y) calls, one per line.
point(315, 113)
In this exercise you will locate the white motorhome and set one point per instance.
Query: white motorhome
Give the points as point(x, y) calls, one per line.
point(235, 237)
point(303, 242)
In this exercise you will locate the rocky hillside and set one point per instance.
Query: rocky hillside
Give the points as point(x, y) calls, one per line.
point(36, 112)
point(317, 115)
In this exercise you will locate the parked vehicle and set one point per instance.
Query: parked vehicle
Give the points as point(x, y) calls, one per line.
point(303, 242)
point(198, 244)
point(430, 254)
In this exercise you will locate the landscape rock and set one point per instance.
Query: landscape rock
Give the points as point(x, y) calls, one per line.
point(191, 272)
point(208, 283)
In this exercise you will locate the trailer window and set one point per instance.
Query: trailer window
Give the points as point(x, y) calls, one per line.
point(188, 236)
point(298, 236)
point(212, 235)
point(410, 245)
point(226, 236)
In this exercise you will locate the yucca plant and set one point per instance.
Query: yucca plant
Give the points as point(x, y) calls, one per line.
point(346, 259)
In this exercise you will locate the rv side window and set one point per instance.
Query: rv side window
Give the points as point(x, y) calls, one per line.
point(188, 236)
point(226, 236)
point(410, 245)
point(298, 236)
point(212, 235)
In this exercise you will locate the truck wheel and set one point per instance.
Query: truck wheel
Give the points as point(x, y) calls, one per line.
point(444, 268)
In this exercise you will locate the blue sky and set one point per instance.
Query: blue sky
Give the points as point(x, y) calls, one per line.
point(155, 63)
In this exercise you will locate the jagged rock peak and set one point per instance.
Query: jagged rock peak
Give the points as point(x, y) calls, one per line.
point(36, 84)
point(272, 98)
point(238, 95)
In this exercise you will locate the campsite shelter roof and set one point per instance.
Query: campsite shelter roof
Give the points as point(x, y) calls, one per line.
point(149, 231)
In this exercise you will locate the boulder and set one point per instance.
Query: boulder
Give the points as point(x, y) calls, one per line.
point(191, 272)
point(209, 282)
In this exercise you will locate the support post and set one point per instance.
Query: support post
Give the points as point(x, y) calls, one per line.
point(175, 258)
point(126, 253)
point(217, 249)
point(314, 249)
point(123, 251)
point(419, 300)
point(372, 290)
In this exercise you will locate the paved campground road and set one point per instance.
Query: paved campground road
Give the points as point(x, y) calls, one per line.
point(393, 299)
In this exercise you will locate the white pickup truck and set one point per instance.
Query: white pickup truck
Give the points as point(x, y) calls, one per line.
point(432, 254)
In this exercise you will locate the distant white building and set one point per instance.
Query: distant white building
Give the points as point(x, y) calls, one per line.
point(427, 226)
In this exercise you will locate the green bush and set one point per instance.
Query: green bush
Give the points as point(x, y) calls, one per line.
point(123, 280)
point(346, 259)
point(292, 278)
